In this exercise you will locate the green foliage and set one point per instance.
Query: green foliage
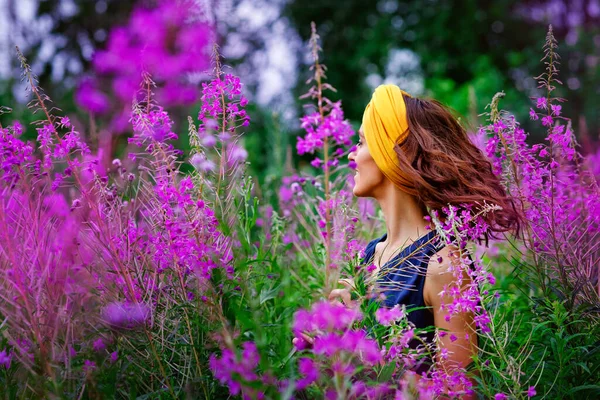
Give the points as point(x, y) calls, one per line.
point(536, 341)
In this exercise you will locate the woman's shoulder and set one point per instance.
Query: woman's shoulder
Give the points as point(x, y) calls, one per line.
point(369, 249)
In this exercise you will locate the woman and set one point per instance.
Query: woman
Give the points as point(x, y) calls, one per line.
point(414, 156)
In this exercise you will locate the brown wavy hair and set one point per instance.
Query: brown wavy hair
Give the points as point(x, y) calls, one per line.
point(447, 168)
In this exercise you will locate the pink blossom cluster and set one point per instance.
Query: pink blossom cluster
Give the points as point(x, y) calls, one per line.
point(331, 127)
point(124, 315)
point(85, 243)
point(177, 44)
point(561, 208)
point(337, 349)
point(154, 125)
point(238, 373)
point(15, 154)
point(221, 114)
point(386, 316)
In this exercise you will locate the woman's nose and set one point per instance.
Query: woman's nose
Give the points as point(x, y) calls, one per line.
point(352, 154)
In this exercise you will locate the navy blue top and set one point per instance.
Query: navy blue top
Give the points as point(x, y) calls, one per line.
point(402, 279)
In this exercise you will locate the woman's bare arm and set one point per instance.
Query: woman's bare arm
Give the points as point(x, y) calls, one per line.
point(459, 344)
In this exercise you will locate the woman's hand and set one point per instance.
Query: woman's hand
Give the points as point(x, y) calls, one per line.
point(297, 342)
point(344, 294)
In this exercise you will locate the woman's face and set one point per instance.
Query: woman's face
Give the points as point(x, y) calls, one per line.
point(368, 175)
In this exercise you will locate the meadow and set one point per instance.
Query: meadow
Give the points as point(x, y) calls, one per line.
point(135, 269)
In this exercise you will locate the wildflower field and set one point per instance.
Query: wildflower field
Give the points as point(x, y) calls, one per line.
point(150, 263)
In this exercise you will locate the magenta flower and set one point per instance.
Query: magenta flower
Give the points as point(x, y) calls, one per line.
point(237, 373)
point(555, 109)
point(531, 391)
point(126, 315)
point(99, 345)
point(155, 125)
point(176, 46)
point(547, 120)
point(89, 366)
point(5, 358)
point(500, 396)
point(533, 115)
point(316, 162)
point(326, 317)
point(309, 371)
point(89, 97)
point(541, 103)
point(386, 316)
point(202, 164)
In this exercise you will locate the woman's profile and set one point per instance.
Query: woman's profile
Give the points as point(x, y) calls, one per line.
point(413, 156)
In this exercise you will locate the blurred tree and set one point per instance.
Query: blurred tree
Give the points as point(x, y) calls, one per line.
point(58, 38)
point(464, 46)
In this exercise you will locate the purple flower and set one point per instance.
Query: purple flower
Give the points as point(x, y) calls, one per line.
point(325, 316)
point(236, 372)
point(155, 125)
point(237, 154)
point(316, 162)
point(533, 115)
point(99, 345)
point(202, 164)
point(500, 396)
point(114, 356)
point(386, 316)
point(332, 128)
point(309, 371)
point(89, 97)
point(541, 103)
point(126, 315)
point(89, 366)
point(555, 109)
point(547, 120)
point(5, 358)
point(176, 47)
point(531, 391)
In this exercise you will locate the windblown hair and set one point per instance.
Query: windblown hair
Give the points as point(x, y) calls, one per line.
point(447, 168)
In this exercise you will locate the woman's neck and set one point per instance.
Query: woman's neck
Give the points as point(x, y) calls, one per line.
point(404, 218)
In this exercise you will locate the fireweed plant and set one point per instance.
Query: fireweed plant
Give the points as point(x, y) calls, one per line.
point(555, 267)
point(105, 268)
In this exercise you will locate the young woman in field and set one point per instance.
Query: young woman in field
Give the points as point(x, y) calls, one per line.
point(412, 157)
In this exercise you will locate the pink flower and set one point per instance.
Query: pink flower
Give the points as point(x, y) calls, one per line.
point(309, 370)
point(386, 316)
point(531, 391)
point(89, 366)
point(99, 345)
point(90, 98)
point(5, 358)
point(541, 103)
point(555, 109)
point(126, 315)
point(533, 115)
point(547, 120)
point(500, 396)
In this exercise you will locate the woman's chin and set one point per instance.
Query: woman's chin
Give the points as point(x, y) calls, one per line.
point(357, 192)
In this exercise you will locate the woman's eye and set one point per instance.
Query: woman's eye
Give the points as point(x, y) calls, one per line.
point(359, 143)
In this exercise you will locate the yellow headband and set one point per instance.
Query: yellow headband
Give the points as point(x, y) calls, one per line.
point(385, 124)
